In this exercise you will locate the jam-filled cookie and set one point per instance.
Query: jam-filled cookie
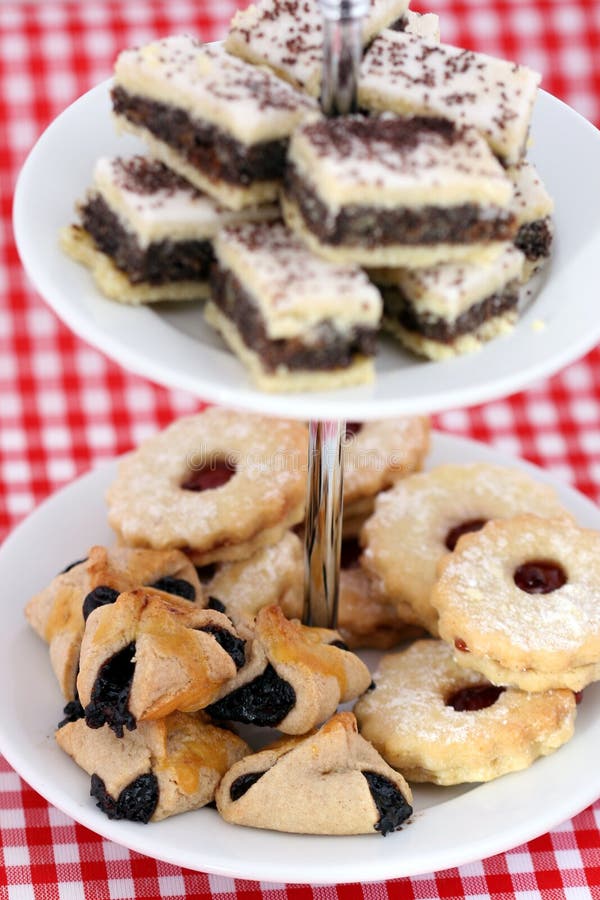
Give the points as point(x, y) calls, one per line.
point(329, 782)
point(376, 455)
point(147, 655)
point(520, 603)
point(219, 484)
point(272, 575)
point(438, 722)
point(58, 613)
point(420, 519)
point(160, 769)
point(294, 678)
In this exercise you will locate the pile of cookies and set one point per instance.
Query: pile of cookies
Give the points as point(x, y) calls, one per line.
point(306, 234)
point(167, 644)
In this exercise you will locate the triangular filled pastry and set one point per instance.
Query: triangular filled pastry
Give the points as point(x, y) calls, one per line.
point(148, 654)
point(160, 769)
point(295, 676)
point(329, 782)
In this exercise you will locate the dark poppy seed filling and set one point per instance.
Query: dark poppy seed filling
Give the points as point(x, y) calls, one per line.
point(110, 694)
point(540, 576)
point(391, 803)
point(72, 565)
point(178, 586)
point(161, 262)
point(534, 239)
point(341, 645)
point(264, 701)
point(474, 698)
point(230, 643)
point(212, 474)
point(209, 149)
point(100, 596)
point(464, 528)
point(136, 802)
point(72, 711)
point(206, 573)
point(350, 553)
point(243, 783)
point(217, 605)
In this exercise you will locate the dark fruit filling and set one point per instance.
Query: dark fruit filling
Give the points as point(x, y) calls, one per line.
point(100, 596)
point(110, 693)
point(391, 803)
point(72, 711)
point(350, 553)
point(472, 699)
point(206, 573)
point(461, 645)
point(578, 697)
point(230, 643)
point(178, 586)
point(341, 645)
point(72, 565)
point(353, 428)
point(217, 605)
point(464, 528)
point(136, 802)
point(243, 783)
point(264, 701)
point(372, 686)
point(211, 475)
point(540, 576)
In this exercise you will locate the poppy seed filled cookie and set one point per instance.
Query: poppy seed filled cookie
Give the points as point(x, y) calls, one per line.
point(146, 233)
point(533, 208)
point(389, 191)
point(296, 321)
point(218, 121)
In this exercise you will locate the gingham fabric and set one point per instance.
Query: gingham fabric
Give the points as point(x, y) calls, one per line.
point(64, 406)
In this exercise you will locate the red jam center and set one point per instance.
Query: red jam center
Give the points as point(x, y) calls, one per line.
point(464, 528)
point(539, 576)
point(472, 699)
point(213, 474)
point(350, 553)
point(353, 428)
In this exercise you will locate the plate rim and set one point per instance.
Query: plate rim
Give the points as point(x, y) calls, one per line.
point(280, 868)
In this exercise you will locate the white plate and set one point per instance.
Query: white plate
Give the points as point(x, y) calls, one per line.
point(173, 346)
point(451, 825)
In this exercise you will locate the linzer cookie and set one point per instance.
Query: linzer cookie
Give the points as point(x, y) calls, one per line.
point(146, 233)
point(376, 455)
point(452, 308)
point(422, 517)
point(161, 769)
point(434, 721)
point(533, 208)
point(407, 75)
point(388, 191)
point(58, 613)
point(331, 782)
point(296, 321)
point(287, 36)
point(520, 603)
point(220, 484)
point(218, 121)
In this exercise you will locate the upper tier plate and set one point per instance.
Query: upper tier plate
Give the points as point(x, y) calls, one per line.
point(173, 346)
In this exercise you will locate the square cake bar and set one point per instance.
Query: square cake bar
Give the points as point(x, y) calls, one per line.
point(452, 308)
point(287, 36)
point(146, 233)
point(411, 76)
point(297, 322)
point(533, 207)
point(218, 121)
point(389, 191)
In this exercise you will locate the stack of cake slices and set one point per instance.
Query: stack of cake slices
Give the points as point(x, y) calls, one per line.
point(306, 234)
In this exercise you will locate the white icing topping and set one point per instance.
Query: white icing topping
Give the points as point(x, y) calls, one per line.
point(170, 209)
point(294, 289)
point(375, 165)
point(287, 36)
point(406, 74)
point(531, 200)
point(449, 289)
point(425, 25)
point(211, 85)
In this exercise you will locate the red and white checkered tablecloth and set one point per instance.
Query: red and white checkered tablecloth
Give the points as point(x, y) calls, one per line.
point(64, 406)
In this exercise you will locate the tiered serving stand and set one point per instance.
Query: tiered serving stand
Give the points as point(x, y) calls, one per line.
point(173, 346)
